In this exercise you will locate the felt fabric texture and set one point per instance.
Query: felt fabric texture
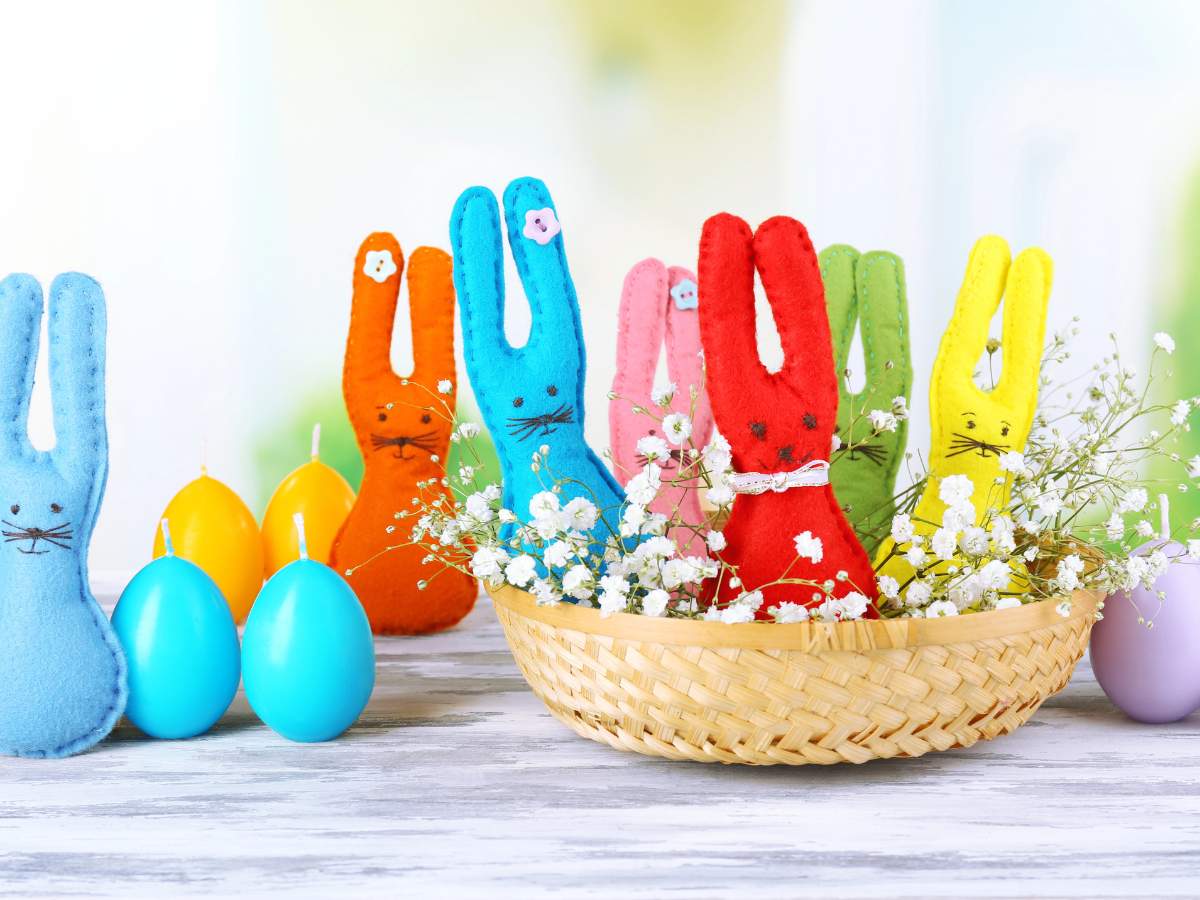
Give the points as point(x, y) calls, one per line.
point(867, 291)
point(403, 432)
point(530, 396)
point(972, 427)
point(650, 316)
point(63, 671)
point(775, 422)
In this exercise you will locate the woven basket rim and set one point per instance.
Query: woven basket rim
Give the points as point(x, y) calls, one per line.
point(872, 634)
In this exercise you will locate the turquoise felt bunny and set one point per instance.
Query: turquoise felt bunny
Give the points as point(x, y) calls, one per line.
point(530, 396)
point(62, 673)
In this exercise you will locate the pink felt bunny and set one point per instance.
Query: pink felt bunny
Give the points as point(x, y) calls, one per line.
point(658, 303)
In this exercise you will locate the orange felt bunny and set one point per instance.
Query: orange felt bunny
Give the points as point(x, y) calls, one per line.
point(404, 435)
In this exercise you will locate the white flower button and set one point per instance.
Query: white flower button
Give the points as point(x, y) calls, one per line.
point(380, 265)
point(541, 225)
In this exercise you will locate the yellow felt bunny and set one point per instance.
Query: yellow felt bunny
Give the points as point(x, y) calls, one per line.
point(971, 427)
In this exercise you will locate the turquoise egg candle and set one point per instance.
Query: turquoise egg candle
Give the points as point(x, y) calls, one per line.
point(308, 656)
point(181, 646)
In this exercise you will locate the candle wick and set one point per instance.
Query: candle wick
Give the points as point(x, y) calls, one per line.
point(316, 442)
point(1164, 511)
point(166, 533)
point(301, 540)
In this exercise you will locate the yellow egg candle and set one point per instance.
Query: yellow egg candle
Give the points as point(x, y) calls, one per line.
point(321, 495)
point(214, 529)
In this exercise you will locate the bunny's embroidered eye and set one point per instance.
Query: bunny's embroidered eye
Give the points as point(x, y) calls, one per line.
point(552, 391)
point(426, 419)
point(785, 453)
point(55, 508)
point(1004, 430)
point(518, 402)
point(383, 417)
point(15, 508)
point(759, 430)
point(810, 421)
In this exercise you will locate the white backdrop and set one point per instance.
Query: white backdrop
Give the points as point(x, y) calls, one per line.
point(216, 164)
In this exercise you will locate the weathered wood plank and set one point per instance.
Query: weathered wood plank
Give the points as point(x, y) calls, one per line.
point(458, 783)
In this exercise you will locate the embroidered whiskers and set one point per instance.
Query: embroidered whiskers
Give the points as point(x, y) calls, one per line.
point(425, 441)
point(963, 443)
point(58, 536)
point(524, 427)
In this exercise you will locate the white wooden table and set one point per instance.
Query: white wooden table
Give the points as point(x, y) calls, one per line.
point(457, 783)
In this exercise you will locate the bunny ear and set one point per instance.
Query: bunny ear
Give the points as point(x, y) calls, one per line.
point(838, 264)
point(20, 327)
point(791, 278)
point(377, 271)
point(1026, 298)
point(883, 319)
point(727, 326)
point(479, 278)
point(640, 330)
point(535, 238)
point(979, 297)
point(77, 332)
point(639, 340)
point(431, 311)
point(685, 363)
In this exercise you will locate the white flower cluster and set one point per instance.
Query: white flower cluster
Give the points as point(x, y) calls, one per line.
point(1068, 511)
point(966, 566)
point(561, 549)
point(1082, 464)
point(888, 419)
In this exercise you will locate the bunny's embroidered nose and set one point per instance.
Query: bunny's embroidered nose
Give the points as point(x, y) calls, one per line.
point(541, 225)
point(379, 265)
point(686, 294)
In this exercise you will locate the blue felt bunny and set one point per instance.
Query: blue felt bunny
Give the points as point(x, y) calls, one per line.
point(532, 395)
point(62, 673)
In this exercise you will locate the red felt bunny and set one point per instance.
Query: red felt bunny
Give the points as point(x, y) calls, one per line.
point(779, 426)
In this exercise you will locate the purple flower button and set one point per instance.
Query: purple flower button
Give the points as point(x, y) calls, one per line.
point(541, 225)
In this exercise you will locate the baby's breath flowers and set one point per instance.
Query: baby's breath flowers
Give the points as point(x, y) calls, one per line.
point(1078, 513)
point(1067, 513)
point(561, 550)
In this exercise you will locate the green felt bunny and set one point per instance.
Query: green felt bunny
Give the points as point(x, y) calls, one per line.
point(868, 291)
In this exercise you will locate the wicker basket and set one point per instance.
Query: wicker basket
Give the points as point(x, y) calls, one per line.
point(793, 694)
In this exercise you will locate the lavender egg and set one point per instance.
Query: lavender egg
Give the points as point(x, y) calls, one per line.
point(1152, 674)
